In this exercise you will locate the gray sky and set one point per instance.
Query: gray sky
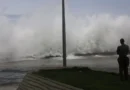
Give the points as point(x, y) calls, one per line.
point(79, 7)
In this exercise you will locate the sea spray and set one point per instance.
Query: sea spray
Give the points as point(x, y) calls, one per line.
point(40, 33)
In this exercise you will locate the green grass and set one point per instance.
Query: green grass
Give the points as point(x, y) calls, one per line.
point(86, 79)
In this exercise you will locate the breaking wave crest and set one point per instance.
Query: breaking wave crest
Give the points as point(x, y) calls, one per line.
point(40, 33)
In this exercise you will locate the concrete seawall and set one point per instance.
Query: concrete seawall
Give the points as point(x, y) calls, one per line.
point(35, 82)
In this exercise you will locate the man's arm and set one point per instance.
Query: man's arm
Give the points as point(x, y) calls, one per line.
point(117, 51)
point(128, 50)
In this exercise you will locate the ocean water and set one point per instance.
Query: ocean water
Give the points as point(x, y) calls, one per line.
point(12, 73)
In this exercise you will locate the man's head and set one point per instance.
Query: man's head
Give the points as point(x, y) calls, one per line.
point(122, 41)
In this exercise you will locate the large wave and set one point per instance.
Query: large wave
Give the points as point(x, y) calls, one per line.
point(40, 33)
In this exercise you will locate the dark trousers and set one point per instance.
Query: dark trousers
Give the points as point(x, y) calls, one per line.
point(123, 67)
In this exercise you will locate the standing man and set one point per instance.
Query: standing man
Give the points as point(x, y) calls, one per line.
point(123, 60)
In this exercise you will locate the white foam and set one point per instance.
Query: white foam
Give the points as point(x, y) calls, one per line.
point(40, 32)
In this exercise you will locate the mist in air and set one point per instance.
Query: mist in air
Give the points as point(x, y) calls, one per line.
point(40, 33)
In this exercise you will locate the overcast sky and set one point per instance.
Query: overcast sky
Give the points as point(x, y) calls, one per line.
point(117, 7)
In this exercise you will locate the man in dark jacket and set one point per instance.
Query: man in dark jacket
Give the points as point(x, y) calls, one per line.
point(123, 60)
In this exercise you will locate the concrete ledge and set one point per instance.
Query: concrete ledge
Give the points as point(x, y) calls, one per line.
point(35, 82)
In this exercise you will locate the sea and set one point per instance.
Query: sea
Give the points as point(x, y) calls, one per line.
point(12, 73)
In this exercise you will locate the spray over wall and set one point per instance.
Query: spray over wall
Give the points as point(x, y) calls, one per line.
point(40, 33)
